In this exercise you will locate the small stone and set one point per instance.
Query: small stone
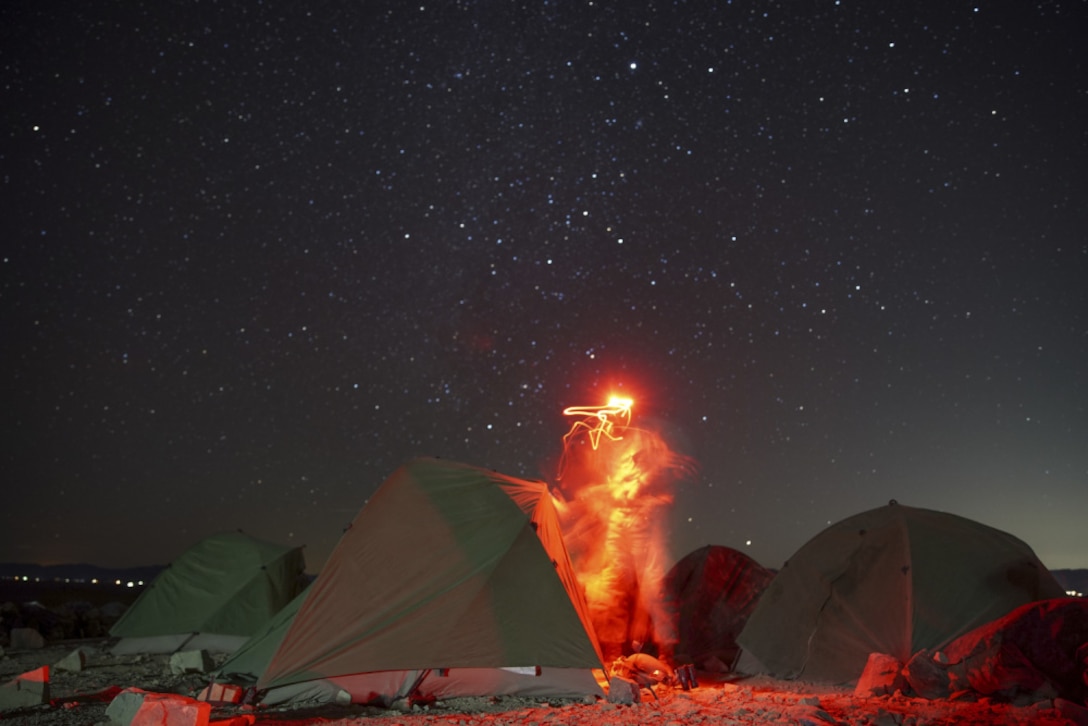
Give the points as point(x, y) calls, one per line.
point(883, 674)
point(74, 662)
point(26, 639)
point(191, 661)
point(623, 691)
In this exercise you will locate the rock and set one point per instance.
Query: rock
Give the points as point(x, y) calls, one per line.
point(887, 718)
point(26, 639)
point(74, 661)
point(623, 691)
point(1077, 714)
point(191, 661)
point(813, 717)
point(1004, 671)
point(135, 707)
point(883, 675)
point(927, 677)
point(29, 689)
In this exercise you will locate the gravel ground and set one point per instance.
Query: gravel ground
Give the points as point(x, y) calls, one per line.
point(81, 698)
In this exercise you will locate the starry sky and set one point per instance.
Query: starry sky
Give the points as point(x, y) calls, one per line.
point(256, 255)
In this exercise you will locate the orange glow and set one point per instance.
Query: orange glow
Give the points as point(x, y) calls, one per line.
point(39, 675)
point(617, 483)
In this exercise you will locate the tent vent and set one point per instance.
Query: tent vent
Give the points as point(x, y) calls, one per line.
point(892, 502)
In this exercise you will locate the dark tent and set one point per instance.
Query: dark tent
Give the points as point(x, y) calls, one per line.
point(711, 592)
point(891, 580)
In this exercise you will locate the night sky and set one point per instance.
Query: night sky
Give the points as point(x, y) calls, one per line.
point(256, 255)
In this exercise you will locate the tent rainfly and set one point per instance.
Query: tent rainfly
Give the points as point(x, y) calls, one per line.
point(891, 580)
point(214, 596)
point(451, 581)
point(251, 659)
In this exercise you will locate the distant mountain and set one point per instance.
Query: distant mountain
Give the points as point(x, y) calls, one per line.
point(79, 572)
point(1075, 580)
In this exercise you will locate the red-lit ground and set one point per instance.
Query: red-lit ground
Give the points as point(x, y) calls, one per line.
point(80, 699)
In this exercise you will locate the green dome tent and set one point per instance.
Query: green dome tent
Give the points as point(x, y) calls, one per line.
point(452, 581)
point(251, 659)
point(891, 580)
point(214, 596)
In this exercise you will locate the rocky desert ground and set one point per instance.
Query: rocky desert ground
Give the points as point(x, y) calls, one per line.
point(81, 698)
point(71, 620)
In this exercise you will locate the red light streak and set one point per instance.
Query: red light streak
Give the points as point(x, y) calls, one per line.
point(599, 420)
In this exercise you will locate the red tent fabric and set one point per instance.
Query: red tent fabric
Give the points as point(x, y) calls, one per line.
point(711, 593)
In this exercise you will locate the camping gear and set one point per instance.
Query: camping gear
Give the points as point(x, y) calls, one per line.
point(685, 676)
point(213, 597)
point(643, 669)
point(891, 580)
point(711, 592)
point(451, 581)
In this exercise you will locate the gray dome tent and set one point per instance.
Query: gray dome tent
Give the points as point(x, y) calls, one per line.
point(891, 580)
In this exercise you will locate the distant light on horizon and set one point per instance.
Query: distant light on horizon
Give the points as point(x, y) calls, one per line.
point(73, 581)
